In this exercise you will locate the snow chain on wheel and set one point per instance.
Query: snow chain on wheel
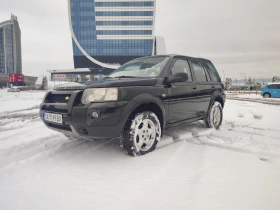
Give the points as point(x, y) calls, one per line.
point(214, 118)
point(141, 134)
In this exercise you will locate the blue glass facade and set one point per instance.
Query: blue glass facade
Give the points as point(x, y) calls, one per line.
point(124, 23)
point(112, 36)
point(10, 47)
point(131, 13)
point(2, 57)
point(8, 30)
point(125, 4)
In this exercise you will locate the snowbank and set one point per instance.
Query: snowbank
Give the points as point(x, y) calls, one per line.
point(20, 101)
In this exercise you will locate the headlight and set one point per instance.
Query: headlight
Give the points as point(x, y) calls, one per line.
point(99, 95)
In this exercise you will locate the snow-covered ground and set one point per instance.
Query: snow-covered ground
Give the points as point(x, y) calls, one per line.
point(236, 167)
point(9, 102)
point(254, 98)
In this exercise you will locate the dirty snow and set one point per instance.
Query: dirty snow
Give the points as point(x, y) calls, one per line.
point(19, 101)
point(251, 96)
point(236, 167)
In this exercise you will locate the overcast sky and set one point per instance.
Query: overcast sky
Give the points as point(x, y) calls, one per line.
point(239, 36)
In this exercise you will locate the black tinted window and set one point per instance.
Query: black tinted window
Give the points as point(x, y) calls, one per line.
point(274, 86)
point(182, 66)
point(207, 74)
point(214, 71)
point(200, 72)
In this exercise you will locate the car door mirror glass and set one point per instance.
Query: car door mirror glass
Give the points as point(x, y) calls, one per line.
point(178, 77)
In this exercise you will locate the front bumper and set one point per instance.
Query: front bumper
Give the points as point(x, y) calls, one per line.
point(77, 118)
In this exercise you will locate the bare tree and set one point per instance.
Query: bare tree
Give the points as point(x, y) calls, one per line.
point(228, 83)
point(276, 79)
point(44, 83)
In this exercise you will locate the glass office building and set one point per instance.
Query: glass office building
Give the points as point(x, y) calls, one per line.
point(108, 33)
point(10, 47)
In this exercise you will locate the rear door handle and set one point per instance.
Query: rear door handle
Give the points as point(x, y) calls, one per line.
point(194, 88)
point(213, 86)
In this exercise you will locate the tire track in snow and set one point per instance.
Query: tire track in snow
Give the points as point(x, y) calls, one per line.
point(231, 137)
point(44, 149)
point(24, 152)
point(17, 124)
point(20, 110)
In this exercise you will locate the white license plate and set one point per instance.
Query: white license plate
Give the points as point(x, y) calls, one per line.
point(56, 118)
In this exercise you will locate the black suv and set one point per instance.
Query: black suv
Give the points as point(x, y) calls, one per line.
point(138, 101)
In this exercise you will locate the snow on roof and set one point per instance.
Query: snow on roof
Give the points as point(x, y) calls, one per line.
point(273, 83)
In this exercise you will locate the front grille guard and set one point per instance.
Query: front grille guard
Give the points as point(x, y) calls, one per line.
point(57, 106)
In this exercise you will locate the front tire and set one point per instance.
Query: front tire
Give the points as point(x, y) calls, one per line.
point(141, 134)
point(214, 118)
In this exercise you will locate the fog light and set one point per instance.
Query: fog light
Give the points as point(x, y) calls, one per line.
point(94, 115)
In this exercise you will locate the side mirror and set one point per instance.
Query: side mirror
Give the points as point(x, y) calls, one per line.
point(178, 77)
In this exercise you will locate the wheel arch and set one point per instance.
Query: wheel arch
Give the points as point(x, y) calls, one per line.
point(147, 102)
point(266, 93)
point(217, 96)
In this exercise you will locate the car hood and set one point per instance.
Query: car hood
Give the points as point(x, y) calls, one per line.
point(114, 82)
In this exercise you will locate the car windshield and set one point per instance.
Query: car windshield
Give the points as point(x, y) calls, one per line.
point(142, 67)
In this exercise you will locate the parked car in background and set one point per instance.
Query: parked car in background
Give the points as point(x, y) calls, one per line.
point(13, 90)
point(138, 101)
point(271, 90)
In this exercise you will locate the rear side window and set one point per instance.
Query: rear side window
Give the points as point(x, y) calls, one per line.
point(215, 73)
point(271, 86)
point(201, 73)
point(275, 86)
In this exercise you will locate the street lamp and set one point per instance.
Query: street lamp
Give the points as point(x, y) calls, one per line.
point(245, 77)
point(224, 75)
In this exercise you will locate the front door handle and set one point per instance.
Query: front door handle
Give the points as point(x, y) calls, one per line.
point(194, 88)
point(213, 86)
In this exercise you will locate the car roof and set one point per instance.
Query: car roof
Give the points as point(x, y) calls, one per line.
point(176, 55)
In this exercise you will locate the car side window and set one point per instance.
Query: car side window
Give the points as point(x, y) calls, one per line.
point(201, 73)
point(216, 76)
point(272, 86)
point(182, 66)
point(207, 74)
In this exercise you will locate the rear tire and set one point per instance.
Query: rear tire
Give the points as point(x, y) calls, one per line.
point(266, 95)
point(214, 118)
point(141, 134)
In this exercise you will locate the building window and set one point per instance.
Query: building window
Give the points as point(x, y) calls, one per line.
point(128, 13)
point(125, 4)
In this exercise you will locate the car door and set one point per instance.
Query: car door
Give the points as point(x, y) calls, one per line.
point(273, 90)
point(278, 91)
point(205, 86)
point(182, 96)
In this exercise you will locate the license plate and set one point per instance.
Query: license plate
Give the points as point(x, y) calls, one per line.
point(56, 118)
